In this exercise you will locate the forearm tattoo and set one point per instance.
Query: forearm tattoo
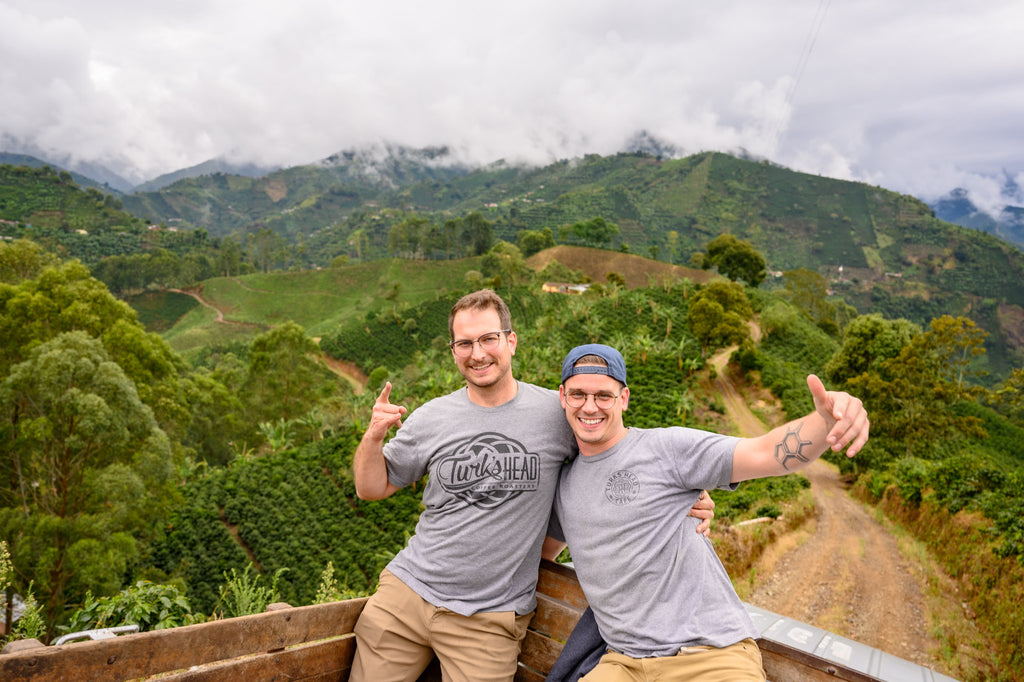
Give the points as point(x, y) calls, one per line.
point(791, 447)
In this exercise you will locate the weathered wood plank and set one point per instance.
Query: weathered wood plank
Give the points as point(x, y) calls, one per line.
point(527, 675)
point(314, 644)
point(150, 653)
point(324, 661)
point(555, 618)
point(539, 652)
point(558, 581)
point(784, 663)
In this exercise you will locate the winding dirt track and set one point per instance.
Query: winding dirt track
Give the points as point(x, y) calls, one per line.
point(345, 370)
point(842, 572)
point(848, 577)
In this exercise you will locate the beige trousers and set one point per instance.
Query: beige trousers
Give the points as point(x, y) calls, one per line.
point(398, 634)
point(735, 663)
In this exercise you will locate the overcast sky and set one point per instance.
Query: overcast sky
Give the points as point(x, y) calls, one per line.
point(915, 96)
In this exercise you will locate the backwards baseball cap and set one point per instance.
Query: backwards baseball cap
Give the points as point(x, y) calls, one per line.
point(616, 368)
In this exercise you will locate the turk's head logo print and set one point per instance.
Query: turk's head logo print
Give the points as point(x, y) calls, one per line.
point(623, 487)
point(489, 470)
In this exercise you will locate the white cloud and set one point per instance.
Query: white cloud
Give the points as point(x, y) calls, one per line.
point(907, 95)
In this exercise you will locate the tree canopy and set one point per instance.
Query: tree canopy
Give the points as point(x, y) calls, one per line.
point(86, 471)
point(718, 315)
point(736, 259)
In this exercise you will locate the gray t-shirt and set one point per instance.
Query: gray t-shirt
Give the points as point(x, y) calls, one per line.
point(654, 583)
point(493, 475)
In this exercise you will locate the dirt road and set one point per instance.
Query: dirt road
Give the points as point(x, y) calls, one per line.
point(848, 577)
point(346, 370)
point(842, 572)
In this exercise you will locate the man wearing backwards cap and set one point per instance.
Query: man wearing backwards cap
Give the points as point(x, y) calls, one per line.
point(463, 588)
point(622, 504)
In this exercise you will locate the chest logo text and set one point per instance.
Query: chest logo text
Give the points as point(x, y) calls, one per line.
point(488, 470)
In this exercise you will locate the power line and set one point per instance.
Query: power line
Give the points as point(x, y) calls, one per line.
point(798, 72)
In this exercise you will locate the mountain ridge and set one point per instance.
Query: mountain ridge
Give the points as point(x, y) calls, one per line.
point(372, 160)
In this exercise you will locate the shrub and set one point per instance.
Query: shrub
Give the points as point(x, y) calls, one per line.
point(151, 607)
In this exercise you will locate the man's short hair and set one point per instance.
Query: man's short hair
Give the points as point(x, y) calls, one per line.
point(480, 300)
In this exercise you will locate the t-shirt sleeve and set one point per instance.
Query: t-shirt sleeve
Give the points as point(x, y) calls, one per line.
point(698, 460)
point(405, 461)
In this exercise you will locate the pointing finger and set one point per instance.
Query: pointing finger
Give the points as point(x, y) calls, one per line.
point(385, 394)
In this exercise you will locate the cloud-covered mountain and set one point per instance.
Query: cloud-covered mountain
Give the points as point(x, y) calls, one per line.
point(249, 170)
point(1007, 222)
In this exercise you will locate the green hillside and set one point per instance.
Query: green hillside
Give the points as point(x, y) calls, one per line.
point(292, 201)
point(9, 159)
point(48, 207)
point(48, 199)
point(319, 301)
point(795, 219)
point(881, 251)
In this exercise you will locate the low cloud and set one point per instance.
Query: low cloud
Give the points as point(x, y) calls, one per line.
point(909, 97)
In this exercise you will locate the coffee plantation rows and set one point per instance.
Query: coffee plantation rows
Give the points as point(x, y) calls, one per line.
point(295, 510)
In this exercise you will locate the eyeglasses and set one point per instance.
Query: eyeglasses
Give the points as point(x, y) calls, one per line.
point(603, 399)
point(488, 342)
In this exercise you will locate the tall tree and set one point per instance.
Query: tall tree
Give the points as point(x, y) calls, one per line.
point(477, 231)
point(910, 395)
point(869, 341)
point(505, 260)
point(535, 241)
point(958, 342)
point(86, 470)
point(808, 290)
point(285, 378)
point(594, 232)
point(406, 238)
point(736, 259)
point(718, 315)
point(22, 259)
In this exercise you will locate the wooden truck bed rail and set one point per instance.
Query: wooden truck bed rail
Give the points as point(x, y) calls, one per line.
point(316, 643)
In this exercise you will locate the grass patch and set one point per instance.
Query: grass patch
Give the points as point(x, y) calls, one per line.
point(743, 548)
point(321, 300)
point(160, 310)
point(964, 649)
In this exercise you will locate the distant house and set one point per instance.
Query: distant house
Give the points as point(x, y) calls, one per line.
point(564, 288)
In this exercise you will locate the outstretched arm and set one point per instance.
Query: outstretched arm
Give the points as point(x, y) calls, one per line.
point(838, 421)
point(368, 466)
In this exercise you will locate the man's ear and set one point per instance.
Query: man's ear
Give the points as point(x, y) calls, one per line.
point(561, 395)
point(625, 398)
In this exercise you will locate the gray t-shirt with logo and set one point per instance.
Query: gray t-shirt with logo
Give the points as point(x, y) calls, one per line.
point(493, 475)
point(654, 583)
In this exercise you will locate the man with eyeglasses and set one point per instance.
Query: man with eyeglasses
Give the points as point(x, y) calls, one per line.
point(622, 506)
point(464, 586)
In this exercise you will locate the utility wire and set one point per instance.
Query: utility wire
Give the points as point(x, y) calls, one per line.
point(798, 72)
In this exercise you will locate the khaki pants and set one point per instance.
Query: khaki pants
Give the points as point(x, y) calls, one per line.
point(398, 634)
point(740, 661)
